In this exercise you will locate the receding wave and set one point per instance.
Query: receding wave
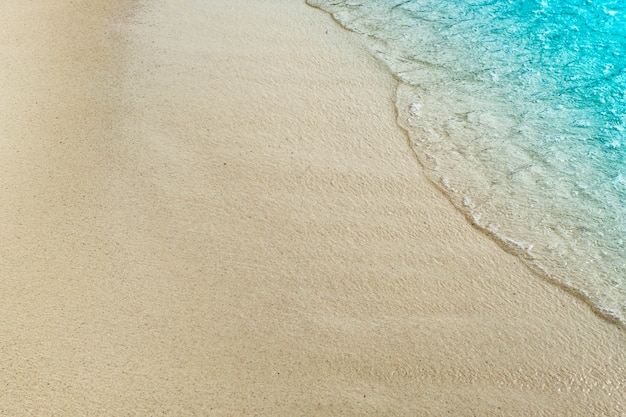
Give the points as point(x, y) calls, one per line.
point(517, 109)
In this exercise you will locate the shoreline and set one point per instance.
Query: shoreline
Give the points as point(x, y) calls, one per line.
point(261, 240)
point(510, 243)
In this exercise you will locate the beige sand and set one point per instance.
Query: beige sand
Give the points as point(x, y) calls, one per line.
point(207, 209)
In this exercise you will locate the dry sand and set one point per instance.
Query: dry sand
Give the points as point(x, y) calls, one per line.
point(207, 209)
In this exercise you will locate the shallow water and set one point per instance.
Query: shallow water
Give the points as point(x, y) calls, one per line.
point(517, 109)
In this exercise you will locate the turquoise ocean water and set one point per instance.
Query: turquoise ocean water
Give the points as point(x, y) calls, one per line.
point(517, 109)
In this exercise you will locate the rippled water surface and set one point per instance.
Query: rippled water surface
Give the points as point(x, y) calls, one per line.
point(518, 110)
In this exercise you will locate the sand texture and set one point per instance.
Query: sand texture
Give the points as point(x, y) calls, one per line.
point(207, 209)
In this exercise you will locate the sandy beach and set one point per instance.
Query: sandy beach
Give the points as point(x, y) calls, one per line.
point(207, 208)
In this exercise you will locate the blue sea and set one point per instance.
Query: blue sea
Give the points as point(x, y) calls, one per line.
point(517, 110)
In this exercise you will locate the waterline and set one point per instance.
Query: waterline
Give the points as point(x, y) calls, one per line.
point(516, 109)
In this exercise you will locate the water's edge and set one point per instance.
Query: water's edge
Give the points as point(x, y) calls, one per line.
point(402, 107)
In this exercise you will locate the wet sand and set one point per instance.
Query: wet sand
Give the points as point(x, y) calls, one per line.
point(208, 209)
